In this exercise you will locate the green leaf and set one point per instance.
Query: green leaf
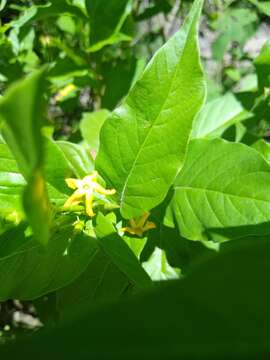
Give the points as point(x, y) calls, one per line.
point(158, 268)
point(78, 158)
point(116, 248)
point(106, 21)
point(136, 244)
point(24, 100)
point(216, 190)
point(114, 39)
point(21, 111)
point(264, 149)
point(66, 71)
point(217, 115)
point(66, 24)
point(219, 311)
point(262, 6)
point(12, 183)
point(143, 143)
point(2, 4)
point(29, 270)
point(90, 126)
point(41, 12)
point(181, 253)
point(118, 78)
point(262, 65)
point(56, 168)
point(102, 281)
point(233, 25)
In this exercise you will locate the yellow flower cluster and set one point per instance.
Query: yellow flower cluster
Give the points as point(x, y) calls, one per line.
point(139, 226)
point(84, 192)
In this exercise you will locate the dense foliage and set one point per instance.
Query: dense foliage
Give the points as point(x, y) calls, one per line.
point(134, 150)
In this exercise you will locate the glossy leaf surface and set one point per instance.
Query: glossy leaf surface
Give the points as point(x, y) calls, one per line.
point(144, 142)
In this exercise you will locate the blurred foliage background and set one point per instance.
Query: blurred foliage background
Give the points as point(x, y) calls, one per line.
point(96, 49)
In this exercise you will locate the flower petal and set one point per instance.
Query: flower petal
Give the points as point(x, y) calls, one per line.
point(72, 183)
point(89, 203)
point(143, 219)
point(74, 199)
point(101, 190)
point(149, 225)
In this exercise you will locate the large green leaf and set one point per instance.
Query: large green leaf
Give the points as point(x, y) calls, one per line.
point(221, 185)
point(29, 270)
point(144, 142)
point(219, 311)
point(217, 115)
point(78, 158)
point(21, 110)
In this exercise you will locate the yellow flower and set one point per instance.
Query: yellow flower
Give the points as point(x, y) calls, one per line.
point(85, 189)
point(65, 91)
point(139, 226)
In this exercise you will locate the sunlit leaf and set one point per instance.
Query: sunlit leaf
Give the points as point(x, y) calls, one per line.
point(143, 143)
point(212, 191)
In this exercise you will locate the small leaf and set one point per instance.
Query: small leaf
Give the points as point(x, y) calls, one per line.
point(217, 115)
point(158, 268)
point(120, 253)
point(90, 126)
point(262, 65)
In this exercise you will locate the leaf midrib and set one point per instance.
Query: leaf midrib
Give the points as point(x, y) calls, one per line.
point(156, 118)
